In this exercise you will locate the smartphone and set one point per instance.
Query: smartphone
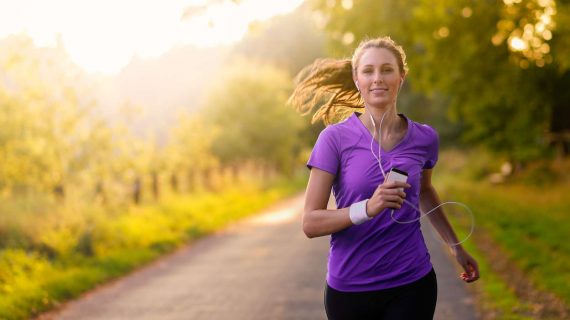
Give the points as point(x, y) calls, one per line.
point(396, 174)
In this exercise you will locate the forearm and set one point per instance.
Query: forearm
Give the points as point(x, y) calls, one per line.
point(317, 223)
point(429, 199)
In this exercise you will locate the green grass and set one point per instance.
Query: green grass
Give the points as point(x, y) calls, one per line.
point(496, 297)
point(76, 250)
point(533, 231)
point(529, 222)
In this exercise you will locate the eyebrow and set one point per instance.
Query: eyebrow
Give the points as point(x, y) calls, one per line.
point(382, 65)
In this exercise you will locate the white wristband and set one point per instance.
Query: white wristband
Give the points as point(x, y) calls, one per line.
point(357, 212)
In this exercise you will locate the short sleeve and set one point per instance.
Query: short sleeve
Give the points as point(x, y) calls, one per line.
point(325, 154)
point(432, 149)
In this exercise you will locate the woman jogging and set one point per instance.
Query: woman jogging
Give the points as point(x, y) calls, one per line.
point(379, 266)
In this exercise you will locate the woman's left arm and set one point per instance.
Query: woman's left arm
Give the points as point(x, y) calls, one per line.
point(429, 200)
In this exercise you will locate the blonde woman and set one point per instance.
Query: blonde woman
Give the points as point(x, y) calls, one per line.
point(379, 266)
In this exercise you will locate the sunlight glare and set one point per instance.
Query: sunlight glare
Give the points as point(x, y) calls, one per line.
point(517, 44)
point(104, 35)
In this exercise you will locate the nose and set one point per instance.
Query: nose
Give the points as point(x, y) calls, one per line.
point(378, 78)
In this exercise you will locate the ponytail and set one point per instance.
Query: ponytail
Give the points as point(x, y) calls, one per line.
point(327, 85)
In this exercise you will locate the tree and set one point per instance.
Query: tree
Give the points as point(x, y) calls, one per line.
point(248, 106)
point(52, 139)
point(496, 64)
point(289, 41)
point(189, 151)
point(45, 117)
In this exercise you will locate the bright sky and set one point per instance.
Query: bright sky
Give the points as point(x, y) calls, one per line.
point(103, 35)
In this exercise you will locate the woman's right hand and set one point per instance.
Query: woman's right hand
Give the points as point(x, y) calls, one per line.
point(387, 195)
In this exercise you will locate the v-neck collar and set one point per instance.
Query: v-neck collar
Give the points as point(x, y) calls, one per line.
point(369, 135)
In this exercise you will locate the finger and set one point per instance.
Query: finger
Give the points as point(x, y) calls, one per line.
point(474, 270)
point(394, 192)
point(471, 273)
point(398, 184)
point(398, 192)
point(467, 278)
point(393, 205)
point(393, 198)
point(467, 269)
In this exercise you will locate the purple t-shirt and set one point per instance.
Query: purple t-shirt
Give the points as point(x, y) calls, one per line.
point(379, 253)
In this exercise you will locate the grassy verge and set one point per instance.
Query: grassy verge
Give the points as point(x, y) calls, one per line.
point(90, 246)
point(520, 241)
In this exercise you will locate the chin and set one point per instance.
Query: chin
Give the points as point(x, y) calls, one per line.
point(378, 103)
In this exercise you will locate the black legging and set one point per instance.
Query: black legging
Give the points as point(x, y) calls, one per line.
point(411, 301)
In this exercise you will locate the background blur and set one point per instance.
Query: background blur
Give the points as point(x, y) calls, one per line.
point(122, 122)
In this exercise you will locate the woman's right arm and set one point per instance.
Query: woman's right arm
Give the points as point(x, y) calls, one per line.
point(318, 221)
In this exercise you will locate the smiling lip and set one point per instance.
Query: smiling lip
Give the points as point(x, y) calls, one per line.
point(379, 89)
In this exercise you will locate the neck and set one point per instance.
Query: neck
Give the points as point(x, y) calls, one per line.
point(391, 121)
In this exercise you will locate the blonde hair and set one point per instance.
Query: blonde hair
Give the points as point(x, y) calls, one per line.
point(327, 84)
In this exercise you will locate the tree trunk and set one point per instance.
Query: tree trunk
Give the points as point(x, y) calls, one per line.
point(155, 185)
point(100, 195)
point(137, 190)
point(191, 176)
point(208, 181)
point(59, 191)
point(174, 182)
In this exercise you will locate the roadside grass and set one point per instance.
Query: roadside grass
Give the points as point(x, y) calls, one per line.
point(528, 221)
point(60, 252)
point(497, 299)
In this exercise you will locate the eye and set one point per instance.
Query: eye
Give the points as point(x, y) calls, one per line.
point(387, 70)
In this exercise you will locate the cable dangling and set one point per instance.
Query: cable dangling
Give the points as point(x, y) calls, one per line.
point(379, 159)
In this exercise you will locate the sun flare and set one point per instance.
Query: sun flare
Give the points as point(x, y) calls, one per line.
point(103, 35)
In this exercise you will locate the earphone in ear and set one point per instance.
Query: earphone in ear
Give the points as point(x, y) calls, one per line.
point(401, 84)
point(356, 84)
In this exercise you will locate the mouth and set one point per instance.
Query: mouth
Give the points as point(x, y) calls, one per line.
point(379, 90)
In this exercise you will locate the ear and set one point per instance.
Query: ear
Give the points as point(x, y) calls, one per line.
point(355, 80)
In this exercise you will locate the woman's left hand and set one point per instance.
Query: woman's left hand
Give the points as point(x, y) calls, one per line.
point(467, 263)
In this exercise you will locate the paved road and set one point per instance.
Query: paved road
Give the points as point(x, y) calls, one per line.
point(262, 268)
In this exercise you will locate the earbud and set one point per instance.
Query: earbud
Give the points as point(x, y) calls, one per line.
point(356, 84)
point(401, 84)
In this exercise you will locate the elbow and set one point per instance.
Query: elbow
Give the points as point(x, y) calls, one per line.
point(309, 227)
point(308, 230)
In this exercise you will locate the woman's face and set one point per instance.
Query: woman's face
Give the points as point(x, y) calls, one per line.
point(378, 77)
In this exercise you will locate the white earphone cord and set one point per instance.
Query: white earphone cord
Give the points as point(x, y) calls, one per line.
point(379, 159)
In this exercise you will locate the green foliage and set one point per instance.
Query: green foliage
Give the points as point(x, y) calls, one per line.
point(67, 174)
point(189, 147)
point(532, 229)
point(248, 107)
point(32, 281)
point(51, 137)
point(54, 141)
point(529, 222)
point(501, 97)
point(495, 296)
point(41, 116)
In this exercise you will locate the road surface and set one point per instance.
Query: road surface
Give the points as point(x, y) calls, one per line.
point(260, 268)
